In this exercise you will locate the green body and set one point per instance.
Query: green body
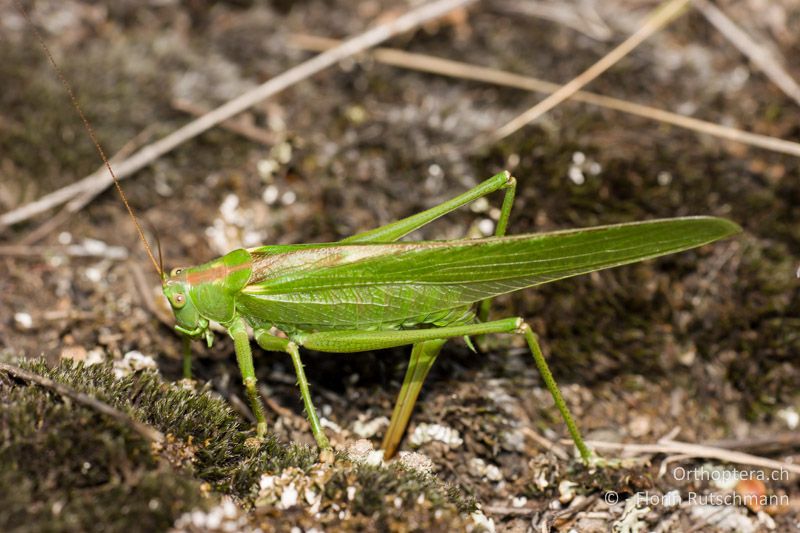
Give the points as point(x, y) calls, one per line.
point(367, 287)
point(370, 292)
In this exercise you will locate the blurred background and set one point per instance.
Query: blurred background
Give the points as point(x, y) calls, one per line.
point(700, 346)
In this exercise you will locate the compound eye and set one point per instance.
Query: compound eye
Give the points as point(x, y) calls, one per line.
point(175, 272)
point(178, 301)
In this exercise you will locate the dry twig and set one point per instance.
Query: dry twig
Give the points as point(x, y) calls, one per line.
point(776, 443)
point(759, 54)
point(240, 127)
point(579, 16)
point(657, 20)
point(696, 450)
point(280, 410)
point(372, 37)
point(114, 253)
point(546, 444)
point(467, 71)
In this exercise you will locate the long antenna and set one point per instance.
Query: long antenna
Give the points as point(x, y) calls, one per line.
point(92, 135)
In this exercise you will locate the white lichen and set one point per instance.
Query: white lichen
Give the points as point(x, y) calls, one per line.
point(425, 433)
point(224, 517)
point(481, 522)
point(416, 461)
point(133, 361)
point(363, 452)
point(368, 428)
point(293, 487)
point(478, 468)
point(632, 517)
point(723, 517)
point(330, 424)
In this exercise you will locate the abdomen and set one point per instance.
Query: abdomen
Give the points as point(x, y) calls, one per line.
point(379, 308)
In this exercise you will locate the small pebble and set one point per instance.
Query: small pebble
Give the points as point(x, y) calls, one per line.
point(435, 171)
point(790, 416)
point(266, 168)
point(486, 226)
point(282, 152)
point(566, 491)
point(288, 198)
point(23, 320)
point(93, 274)
point(575, 175)
point(270, 195)
point(75, 353)
point(481, 205)
point(483, 522)
point(94, 247)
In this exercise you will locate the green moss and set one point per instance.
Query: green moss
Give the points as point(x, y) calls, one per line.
point(68, 467)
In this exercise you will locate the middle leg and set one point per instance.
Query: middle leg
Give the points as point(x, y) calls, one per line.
point(271, 343)
point(424, 354)
point(359, 341)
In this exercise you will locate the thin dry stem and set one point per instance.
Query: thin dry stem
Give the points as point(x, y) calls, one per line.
point(579, 16)
point(696, 450)
point(657, 20)
point(759, 54)
point(114, 253)
point(239, 127)
point(467, 71)
point(372, 37)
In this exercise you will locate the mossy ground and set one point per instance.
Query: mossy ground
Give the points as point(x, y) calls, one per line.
point(67, 467)
point(704, 341)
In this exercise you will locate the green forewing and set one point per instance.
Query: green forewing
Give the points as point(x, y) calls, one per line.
point(376, 286)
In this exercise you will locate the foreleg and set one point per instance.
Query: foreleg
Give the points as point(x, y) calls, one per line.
point(244, 356)
point(187, 357)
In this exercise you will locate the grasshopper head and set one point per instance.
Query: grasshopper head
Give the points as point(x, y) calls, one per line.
point(176, 289)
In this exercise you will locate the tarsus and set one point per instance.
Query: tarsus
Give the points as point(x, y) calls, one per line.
point(92, 135)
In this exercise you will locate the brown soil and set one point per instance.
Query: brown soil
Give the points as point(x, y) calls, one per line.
point(702, 345)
